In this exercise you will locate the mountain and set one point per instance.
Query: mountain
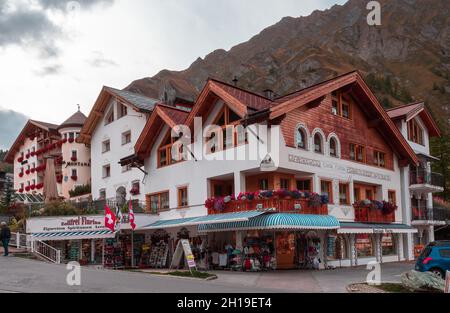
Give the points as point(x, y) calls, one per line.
point(405, 59)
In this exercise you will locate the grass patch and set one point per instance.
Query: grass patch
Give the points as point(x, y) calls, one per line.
point(393, 288)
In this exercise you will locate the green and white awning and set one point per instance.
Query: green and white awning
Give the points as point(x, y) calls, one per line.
point(278, 221)
point(204, 220)
point(60, 236)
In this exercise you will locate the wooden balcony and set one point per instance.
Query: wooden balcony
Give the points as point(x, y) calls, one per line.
point(366, 215)
point(278, 205)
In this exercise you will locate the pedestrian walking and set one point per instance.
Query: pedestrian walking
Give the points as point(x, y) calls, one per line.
point(5, 236)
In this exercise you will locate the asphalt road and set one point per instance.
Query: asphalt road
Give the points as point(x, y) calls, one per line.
point(29, 276)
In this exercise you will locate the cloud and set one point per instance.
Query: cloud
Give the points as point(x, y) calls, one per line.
point(67, 5)
point(49, 70)
point(11, 125)
point(30, 26)
point(99, 60)
point(23, 26)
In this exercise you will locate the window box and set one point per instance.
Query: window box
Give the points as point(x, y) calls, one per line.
point(74, 178)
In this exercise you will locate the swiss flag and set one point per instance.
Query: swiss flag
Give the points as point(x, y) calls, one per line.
point(131, 216)
point(110, 219)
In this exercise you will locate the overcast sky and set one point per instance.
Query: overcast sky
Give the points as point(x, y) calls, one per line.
point(55, 54)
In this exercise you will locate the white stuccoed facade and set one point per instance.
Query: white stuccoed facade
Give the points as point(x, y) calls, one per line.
point(134, 122)
point(196, 174)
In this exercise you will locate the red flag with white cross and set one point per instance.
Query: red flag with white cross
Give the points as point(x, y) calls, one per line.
point(110, 219)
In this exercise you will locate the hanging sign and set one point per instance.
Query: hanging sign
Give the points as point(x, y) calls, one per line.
point(183, 247)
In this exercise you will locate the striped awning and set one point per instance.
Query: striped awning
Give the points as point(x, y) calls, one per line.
point(101, 234)
point(278, 221)
point(365, 228)
point(208, 219)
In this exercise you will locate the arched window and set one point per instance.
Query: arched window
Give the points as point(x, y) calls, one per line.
point(302, 138)
point(318, 143)
point(334, 148)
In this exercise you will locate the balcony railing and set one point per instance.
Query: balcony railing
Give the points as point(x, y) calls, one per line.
point(435, 214)
point(366, 215)
point(423, 177)
point(279, 205)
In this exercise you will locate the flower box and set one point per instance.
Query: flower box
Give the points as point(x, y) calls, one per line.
point(20, 160)
point(28, 172)
point(21, 190)
point(74, 178)
point(71, 140)
point(21, 175)
point(74, 159)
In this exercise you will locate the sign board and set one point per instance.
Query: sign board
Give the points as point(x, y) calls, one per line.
point(447, 282)
point(183, 247)
point(66, 224)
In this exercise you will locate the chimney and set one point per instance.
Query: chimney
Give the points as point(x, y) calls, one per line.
point(269, 94)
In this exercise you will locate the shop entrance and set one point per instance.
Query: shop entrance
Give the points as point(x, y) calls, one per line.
point(285, 243)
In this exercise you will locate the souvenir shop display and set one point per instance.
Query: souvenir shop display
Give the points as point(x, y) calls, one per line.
point(113, 254)
point(159, 255)
point(258, 253)
point(198, 246)
point(138, 241)
point(74, 251)
point(144, 261)
point(85, 252)
point(308, 251)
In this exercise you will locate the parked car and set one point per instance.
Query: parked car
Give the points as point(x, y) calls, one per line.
point(435, 258)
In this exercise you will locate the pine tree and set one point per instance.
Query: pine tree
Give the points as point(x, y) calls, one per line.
point(9, 195)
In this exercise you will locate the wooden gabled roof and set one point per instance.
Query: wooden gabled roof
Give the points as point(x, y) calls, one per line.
point(410, 111)
point(353, 82)
point(30, 128)
point(138, 102)
point(161, 116)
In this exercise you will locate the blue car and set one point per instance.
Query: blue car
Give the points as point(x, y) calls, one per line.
point(435, 258)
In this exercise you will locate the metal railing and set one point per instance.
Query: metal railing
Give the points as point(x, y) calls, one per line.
point(20, 241)
point(46, 251)
point(423, 177)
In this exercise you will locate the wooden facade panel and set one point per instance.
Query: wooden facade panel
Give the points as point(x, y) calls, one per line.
point(356, 130)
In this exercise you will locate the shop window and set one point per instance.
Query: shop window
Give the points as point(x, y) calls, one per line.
point(285, 184)
point(183, 197)
point(106, 171)
point(301, 138)
point(388, 244)
point(159, 202)
point(263, 184)
point(344, 198)
point(334, 148)
point(379, 159)
point(357, 153)
point(304, 185)
point(326, 189)
point(318, 143)
point(106, 146)
point(122, 110)
point(126, 138)
point(415, 132)
point(364, 246)
point(337, 248)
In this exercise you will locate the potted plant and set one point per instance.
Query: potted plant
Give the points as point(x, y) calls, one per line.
point(71, 140)
point(74, 178)
point(74, 159)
